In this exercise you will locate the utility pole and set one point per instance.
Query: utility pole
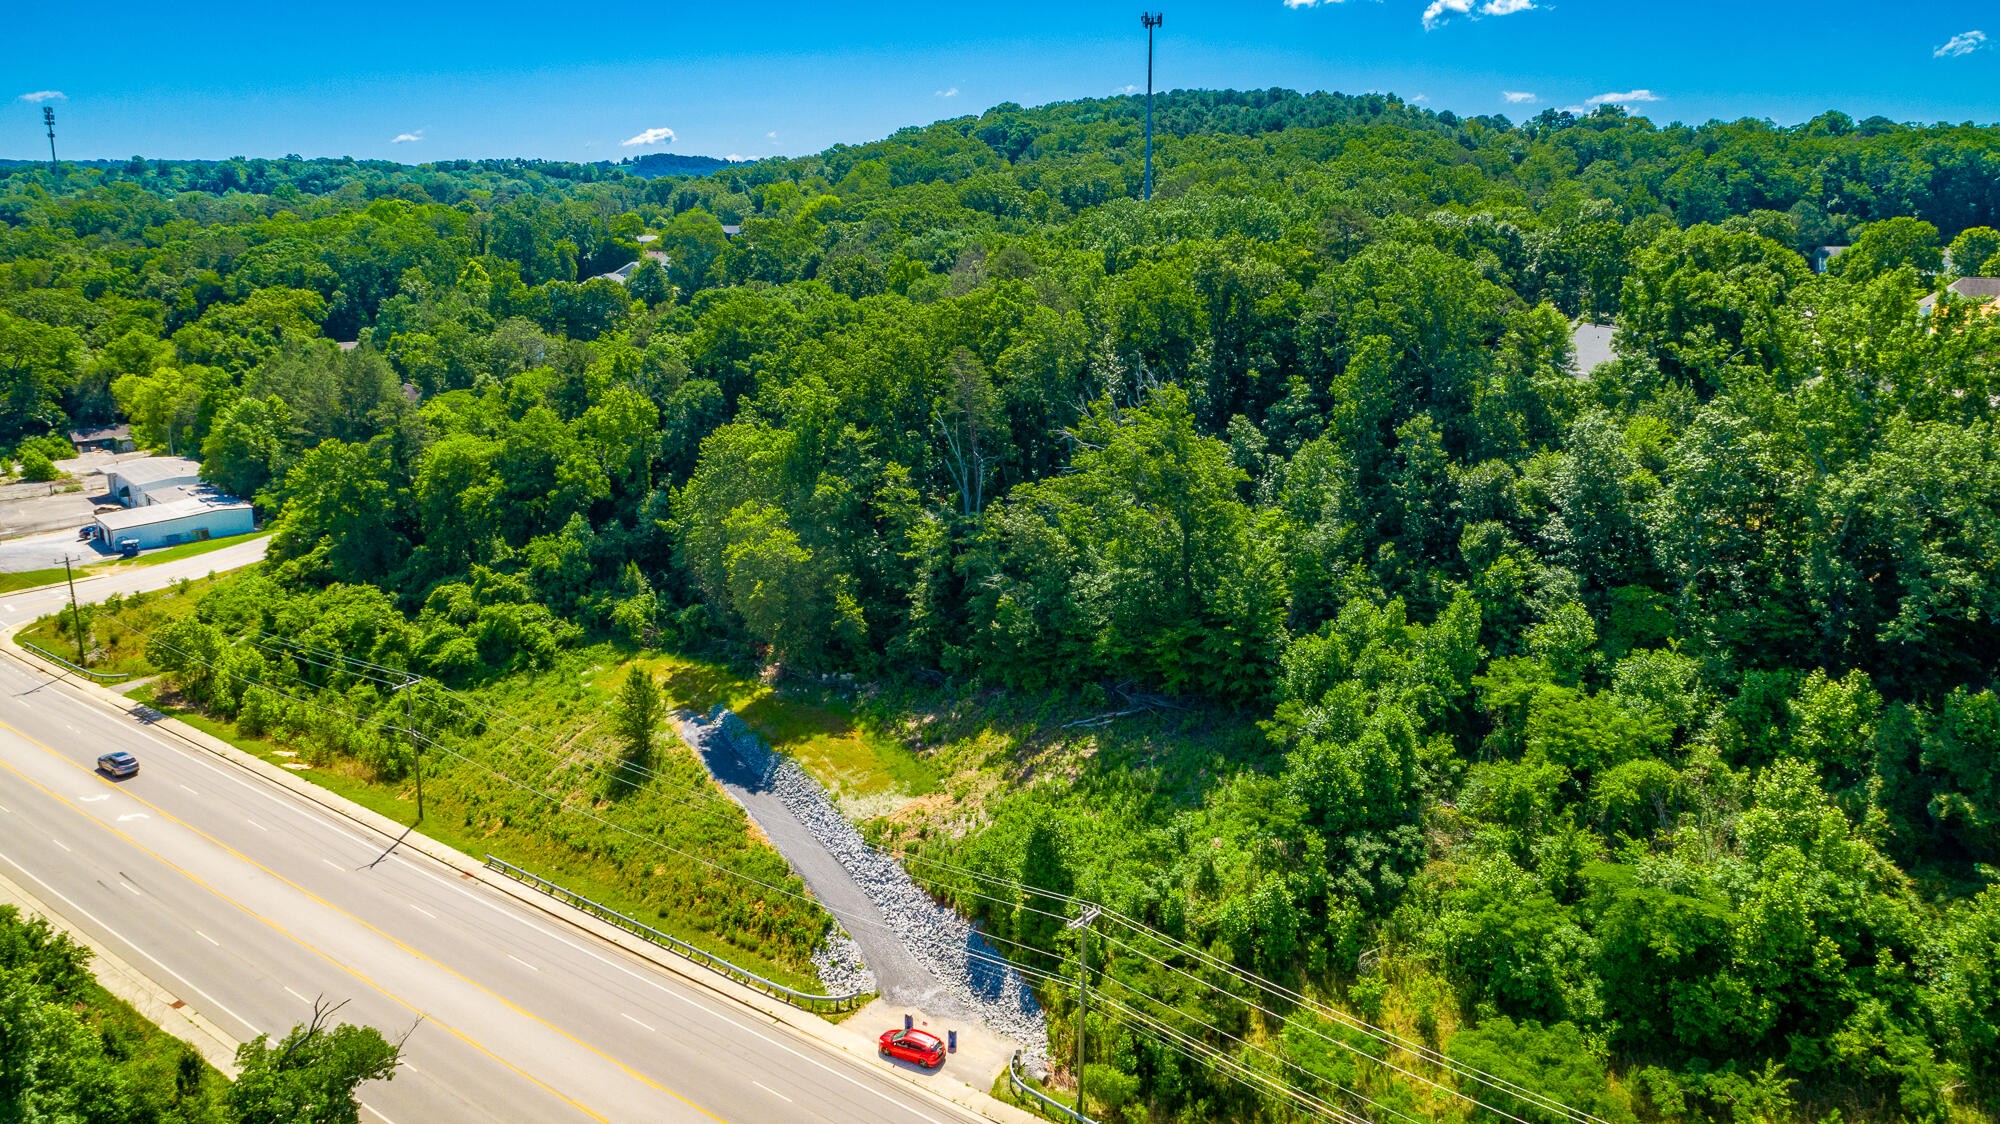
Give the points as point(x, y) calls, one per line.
point(416, 746)
point(49, 119)
point(1151, 20)
point(75, 614)
point(1082, 922)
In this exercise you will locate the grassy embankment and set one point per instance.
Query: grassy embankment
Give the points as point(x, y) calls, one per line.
point(643, 851)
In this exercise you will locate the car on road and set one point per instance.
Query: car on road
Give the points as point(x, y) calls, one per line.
point(919, 1046)
point(118, 764)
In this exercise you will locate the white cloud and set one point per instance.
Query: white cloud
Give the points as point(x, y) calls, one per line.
point(1420, 99)
point(1440, 11)
point(736, 158)
point(660, 135)
point(948, 93)
point(408, 138)
point(772, 135)
point(1629, 97)
point(1128, 88)
point(45, 95)
point(1516, 97)
point(1964, 43)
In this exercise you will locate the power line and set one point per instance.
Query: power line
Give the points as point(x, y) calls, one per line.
point(714, 805)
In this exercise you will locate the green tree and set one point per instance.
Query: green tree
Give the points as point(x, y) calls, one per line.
point(1888, 245)
point(310, 1076)
point(637, 719)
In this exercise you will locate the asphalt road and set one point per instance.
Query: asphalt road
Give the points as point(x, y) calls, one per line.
point(250, 902)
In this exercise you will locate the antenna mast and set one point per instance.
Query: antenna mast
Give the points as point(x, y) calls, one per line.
point(1151, 20)
point(49, 119)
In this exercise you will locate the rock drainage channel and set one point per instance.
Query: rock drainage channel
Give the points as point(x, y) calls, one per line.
point(910, 949)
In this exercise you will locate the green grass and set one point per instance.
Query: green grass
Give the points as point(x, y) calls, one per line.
point(821, 734)
point(148, 1058)
point(116, 630)
point(29, 579)
point(184, 550)
point(19, 580)
point(646, 874)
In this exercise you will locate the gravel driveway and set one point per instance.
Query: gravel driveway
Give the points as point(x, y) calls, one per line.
point(921, 954)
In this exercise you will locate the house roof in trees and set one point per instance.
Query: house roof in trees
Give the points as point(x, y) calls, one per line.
point(1593, 347)
point(1984, 290)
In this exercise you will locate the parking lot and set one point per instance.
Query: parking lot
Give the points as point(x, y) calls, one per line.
point(38, 522)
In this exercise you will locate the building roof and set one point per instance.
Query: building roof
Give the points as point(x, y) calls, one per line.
point(126, 519)
point(731, 230)
point(101, 433)
point(1982, 290)
point(645, 238)
point(206, 493)
point(153, 470)
point(621, 275)
point(1593, 347)
point(1978, 288)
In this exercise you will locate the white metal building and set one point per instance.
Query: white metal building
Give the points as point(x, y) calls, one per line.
point(176, 521)
point(131, 482)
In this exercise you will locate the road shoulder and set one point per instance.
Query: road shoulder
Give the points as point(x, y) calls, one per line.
point(841, 1038)
point(159, 1006)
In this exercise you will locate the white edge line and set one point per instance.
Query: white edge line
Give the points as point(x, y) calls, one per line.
point(320, 817)
point(84, 913)
point(719, 1005)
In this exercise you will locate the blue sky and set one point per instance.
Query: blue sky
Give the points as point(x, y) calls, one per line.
point(579, 81)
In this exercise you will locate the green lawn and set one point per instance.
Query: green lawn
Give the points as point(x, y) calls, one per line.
point(185, 550)
point(29, 579)
point(35, 579)
point(822, 734)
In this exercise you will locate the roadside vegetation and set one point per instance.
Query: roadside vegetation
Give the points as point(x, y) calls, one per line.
point(69, 1050)
point(1253, 563)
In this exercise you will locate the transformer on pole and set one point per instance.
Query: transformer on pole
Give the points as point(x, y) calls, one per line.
point(49, 119)
point(1150, 20)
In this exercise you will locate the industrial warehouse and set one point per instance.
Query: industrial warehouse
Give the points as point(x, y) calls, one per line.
point(166, 504)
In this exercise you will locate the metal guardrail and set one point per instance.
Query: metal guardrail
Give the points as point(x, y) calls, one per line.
point(55, 659)
point(1041, 1101)
point(801, 999)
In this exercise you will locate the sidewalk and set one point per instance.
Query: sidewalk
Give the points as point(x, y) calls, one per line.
point(850, 1037)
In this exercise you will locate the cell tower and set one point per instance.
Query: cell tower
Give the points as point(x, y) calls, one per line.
point(49, 119)
point(1151, 20)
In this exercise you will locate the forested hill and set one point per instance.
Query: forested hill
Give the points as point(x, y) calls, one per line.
point(1629, 734)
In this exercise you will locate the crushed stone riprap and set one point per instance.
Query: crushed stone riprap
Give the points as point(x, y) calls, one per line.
point(897, 940)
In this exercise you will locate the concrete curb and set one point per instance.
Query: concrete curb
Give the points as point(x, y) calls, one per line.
point(811, 1026)
point(158, 1005)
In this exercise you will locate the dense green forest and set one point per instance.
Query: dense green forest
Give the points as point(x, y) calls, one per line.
point(1630, 734)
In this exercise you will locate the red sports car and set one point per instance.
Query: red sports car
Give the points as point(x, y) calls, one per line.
point(917, 1046)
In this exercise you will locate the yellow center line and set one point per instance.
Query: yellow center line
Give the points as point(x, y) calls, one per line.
point(454, 973)
point(293, 937)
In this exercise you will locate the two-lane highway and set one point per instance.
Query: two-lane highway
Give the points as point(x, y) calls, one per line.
point(249, 902)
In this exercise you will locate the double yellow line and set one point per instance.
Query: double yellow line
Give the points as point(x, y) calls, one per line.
point(308, 946)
